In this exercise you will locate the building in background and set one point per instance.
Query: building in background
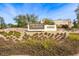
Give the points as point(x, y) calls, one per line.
point(61, 22)
point(64, 22)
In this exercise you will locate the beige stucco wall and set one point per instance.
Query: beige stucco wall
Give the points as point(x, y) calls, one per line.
point(62, 22)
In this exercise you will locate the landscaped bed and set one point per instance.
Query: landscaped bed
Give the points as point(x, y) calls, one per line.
point(40, 44)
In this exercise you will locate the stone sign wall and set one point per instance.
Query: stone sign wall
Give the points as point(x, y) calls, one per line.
point(50, 28)
point(41, 27)
point(36, 26)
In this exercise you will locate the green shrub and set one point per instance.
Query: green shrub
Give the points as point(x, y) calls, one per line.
point(40, 47)
point(73, 36)
point(10, 33)
point(3, 33)
point(17, 34)
point(25, 36)
point(48, 43)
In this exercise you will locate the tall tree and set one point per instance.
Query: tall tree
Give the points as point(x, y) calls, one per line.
point(23, 20)
point(75, 24)
point(77, 13)
point(31, 18)
point(2, 23)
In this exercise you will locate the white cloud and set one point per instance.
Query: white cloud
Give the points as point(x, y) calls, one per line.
point(64, 12)
point(8, 12)
point(10, 9)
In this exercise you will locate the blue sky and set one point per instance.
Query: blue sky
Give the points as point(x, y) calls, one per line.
point(42, 10)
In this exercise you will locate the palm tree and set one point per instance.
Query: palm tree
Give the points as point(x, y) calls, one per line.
point(21, 20)
point(31, 18)
point(2, 23)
